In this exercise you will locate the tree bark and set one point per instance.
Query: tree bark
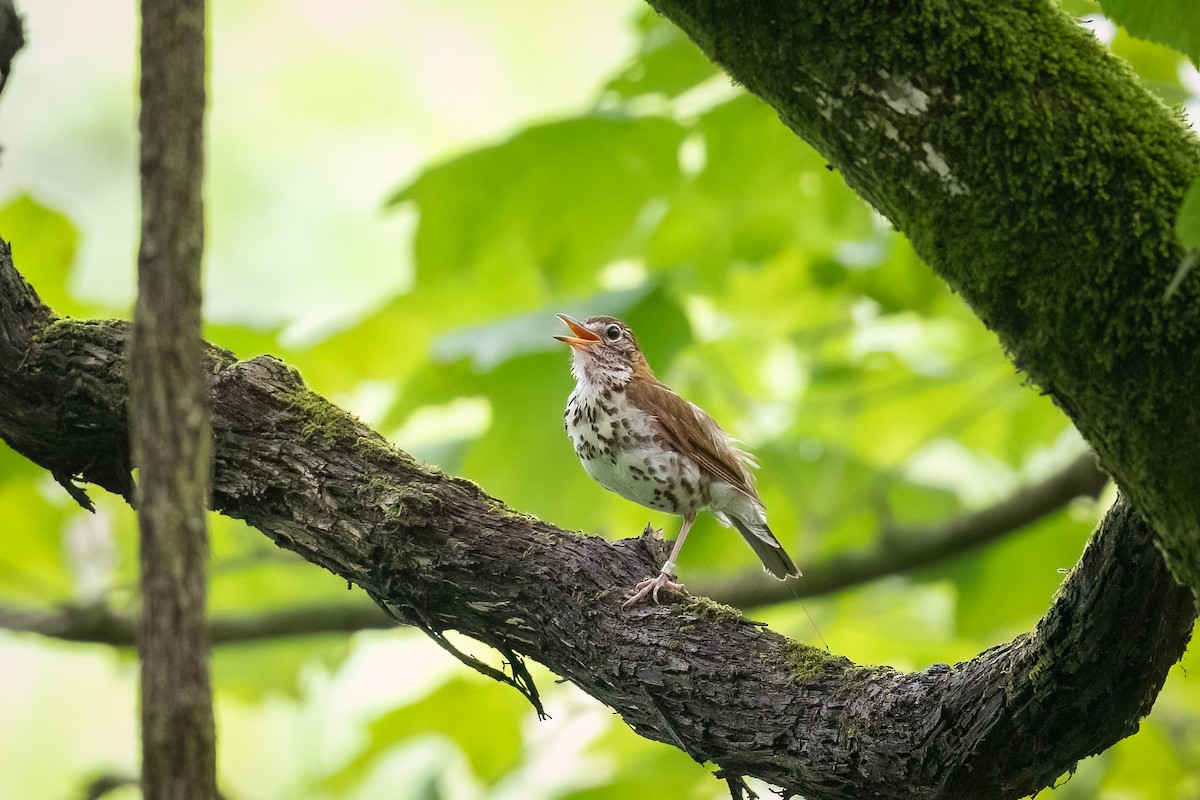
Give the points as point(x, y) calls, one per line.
point(168, 410)
point(1035, 175)
point(894, 552)
point(443, 555)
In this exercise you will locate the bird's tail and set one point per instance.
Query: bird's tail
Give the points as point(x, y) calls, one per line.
point(774, 558)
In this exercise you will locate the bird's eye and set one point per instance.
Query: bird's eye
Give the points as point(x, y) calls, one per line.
point(613, 332)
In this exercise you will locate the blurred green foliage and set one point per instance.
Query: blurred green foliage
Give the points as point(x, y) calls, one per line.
point(760, 288)
point(1171, 22)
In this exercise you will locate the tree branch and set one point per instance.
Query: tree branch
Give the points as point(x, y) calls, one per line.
point(1039, 179)
point(903, 550)
point(438, 551)
point(101, 625)
point(897, 552)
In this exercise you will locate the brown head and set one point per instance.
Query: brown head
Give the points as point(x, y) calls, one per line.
point(604, 351)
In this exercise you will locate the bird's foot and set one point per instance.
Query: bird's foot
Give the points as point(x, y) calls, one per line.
point(650, 588)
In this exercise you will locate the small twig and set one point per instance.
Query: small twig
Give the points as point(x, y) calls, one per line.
point(75, 490)
point(738, 788)
point(520, 680)
point(522, 676)
point(106, 784)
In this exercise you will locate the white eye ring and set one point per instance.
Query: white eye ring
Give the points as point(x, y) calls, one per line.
point(613, 332)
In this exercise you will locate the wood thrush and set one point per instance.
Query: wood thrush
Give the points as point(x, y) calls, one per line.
point(649, 445)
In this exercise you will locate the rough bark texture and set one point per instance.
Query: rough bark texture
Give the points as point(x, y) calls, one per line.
point(443, 555)
point(894, 551)
point(1035, 174)
point(168, 404)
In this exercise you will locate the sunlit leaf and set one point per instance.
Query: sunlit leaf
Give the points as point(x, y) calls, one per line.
point(254, 671)
point(492, 343)
point(1171, 22)
point(454, 710)
point(33, 558)
point(43, 242)
point(1188, 224)
point(544, 208)
point(1007, 588)
point(667, 62)
point(645, 769)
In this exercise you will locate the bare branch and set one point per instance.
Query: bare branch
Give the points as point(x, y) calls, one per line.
point(909, 549)
point(100, 625)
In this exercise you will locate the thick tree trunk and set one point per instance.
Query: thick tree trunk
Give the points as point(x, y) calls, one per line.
point(1034, 173)
point(168, 405)
point(443, 555)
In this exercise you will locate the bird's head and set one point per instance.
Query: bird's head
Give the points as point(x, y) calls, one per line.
point(603, 351)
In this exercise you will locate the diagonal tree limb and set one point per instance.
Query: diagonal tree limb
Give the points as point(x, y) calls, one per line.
point(895, 553)
point(903, 550)
point(434, 547)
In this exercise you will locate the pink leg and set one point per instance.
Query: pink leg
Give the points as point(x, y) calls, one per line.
point(651, 586)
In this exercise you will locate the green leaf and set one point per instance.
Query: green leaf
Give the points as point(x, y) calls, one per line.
point(543, 210)
point(254, 671)
point(43, 242)
point(16, 467)
point(244, 340)
point(481, 718)
point(1006, 588)
point(1172, 22)
point(492, 343)
point(1155, 763)
point(642, 769)
point(667, 62)
point(1158, 65)
point(759, 195)
point(33, 558)
point(1081, 8)
point(1187, 226)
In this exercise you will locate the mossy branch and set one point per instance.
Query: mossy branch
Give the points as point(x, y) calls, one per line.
point(1035, 174)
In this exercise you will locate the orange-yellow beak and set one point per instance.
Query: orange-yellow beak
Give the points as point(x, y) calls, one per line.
point(583, 338)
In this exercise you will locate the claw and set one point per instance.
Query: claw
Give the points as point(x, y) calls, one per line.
point(650, 588)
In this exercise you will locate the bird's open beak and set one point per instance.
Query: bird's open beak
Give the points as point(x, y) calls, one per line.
point(583, 337)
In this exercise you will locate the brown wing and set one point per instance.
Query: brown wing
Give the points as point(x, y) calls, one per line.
point(691, 431)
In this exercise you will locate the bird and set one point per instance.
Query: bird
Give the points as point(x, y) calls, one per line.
point(641, 440)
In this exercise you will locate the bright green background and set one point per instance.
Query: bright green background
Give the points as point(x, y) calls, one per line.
point(400, 196)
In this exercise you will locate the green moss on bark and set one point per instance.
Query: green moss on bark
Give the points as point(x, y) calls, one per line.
point(1035, 175)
